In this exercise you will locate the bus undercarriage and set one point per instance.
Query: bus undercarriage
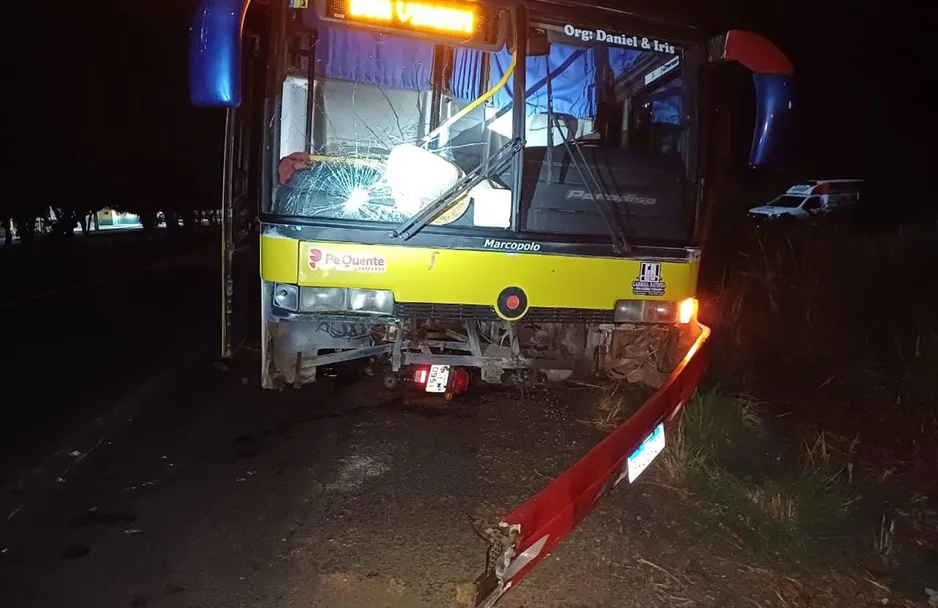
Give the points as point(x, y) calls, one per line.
point(630, 352)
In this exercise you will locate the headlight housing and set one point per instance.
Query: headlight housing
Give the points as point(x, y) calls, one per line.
point(285, 296)
point(333, 299)
point(654, 311)
point(375, 301)
point(323, 299)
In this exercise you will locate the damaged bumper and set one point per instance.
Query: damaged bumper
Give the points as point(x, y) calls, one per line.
point(531, 531)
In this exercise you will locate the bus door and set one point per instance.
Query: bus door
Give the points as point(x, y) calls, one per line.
point(240, 200)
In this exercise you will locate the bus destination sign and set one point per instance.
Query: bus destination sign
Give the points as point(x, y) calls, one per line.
point(453, 21)
point(425, 16)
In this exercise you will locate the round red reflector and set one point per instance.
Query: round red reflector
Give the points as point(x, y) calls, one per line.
point(511, 304)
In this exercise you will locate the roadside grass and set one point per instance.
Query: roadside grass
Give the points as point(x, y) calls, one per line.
point(797, 504)
point(798, 304)
point(616, 401)
point(837, 329)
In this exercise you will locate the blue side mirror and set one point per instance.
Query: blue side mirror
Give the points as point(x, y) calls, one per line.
point(772, 76)
point(774, 103)
point(215, 53)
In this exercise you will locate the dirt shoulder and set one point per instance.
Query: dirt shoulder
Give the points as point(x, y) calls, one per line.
point(342, 494)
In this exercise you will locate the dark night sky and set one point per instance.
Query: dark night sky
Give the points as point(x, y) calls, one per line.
point(122, 67)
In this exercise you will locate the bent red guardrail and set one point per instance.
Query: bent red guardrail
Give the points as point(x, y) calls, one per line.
point(532, 530)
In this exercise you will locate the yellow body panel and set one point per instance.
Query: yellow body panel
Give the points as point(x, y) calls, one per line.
point(279, 259)
point(451, 276)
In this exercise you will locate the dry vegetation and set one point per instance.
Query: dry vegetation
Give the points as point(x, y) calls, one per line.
point(803, 507)
point(832, 465)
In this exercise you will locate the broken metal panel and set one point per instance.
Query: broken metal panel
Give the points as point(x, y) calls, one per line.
point(291, 348)
point(347, 355)
point(396, 357)
point(294, 345)
point(472, 334)
point(470, 361)
point(546, 518)
point(267, 371)
point(645, 354)
point(513, 340)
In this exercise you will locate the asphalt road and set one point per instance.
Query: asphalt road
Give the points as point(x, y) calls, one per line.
point(86, 322)
point(341, 494)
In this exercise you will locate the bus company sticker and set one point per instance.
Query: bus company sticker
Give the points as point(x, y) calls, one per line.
point(649, 281)
point(642, 43)
point(323, 259)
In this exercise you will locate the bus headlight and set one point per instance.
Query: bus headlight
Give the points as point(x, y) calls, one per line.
point(629, 311)
point(334, 299)
point(374, 301)
point(285, 296)
point(322, 299)
point(653, 311)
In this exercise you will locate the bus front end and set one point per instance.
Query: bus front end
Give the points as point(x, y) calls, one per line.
point(479, 187)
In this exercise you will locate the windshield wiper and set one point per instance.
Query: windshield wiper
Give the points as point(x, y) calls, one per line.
point(494, 164)
point(606, 210)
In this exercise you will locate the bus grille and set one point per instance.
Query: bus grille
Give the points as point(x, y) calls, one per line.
point(467, 312)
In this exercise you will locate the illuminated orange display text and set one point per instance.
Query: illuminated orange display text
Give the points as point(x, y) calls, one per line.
point(419, 15)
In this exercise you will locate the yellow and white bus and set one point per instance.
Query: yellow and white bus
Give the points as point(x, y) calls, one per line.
point(456, 189)
point(462, 184)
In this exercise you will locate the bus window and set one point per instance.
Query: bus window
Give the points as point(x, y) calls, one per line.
point(620, 149)
point(373, 98)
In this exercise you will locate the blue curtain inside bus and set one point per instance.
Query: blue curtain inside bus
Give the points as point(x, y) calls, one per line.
point(402, 63)
point(667, 108)
point(572, 76)
point(371, 58)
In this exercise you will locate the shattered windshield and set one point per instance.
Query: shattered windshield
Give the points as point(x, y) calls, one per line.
point(398, 122)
